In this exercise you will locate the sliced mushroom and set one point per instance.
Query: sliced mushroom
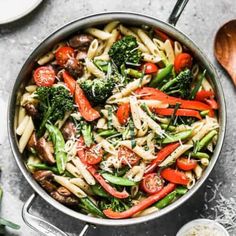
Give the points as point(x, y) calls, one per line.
point(81, 41)
point(68, 130)
point(81, 55)
point(44, 150)
point(64, 196)
point(74, 67)
point(32, 142)
point(31, 110)
point(44, 177)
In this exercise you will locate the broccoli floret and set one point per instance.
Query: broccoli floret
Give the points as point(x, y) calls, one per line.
point(97, 90)
point(180, 85)
point(125, 51)
point(54, 102)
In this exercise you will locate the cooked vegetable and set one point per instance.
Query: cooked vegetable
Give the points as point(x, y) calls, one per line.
point(94, 154)
point(180, 85)
point(69, 81)
point(203, 94)
point(206, 140)
point(123, 113)
point(54, 102)
point(127, 156)
point(150, 68)
point(44, 76)
point(125, 51)
point(118, 180)
point(174, 176)
point(141, 205)
point(161, 155)
point(98, 190)
point(197, 86)
point(161, 75)
point(107, 133)
point(59, 145)
point(87, 134)
point(186, 164)
point(97, 90)
point(63, 54)
point(84, 106)
point(182, 61)
point(177, 137)
point(90, 207)
point(134, 73)
point(152, 183)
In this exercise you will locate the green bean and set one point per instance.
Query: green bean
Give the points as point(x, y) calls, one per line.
point(206, 140)
point(198, 155)
point(98, 190)
point(162, 74)
point(204, 113)
point(181, 190)
point(118, 180)
point(87, 134)
point(109, 120)
point(166, 200)
point(132, 134)
point(166, 127)
point(88, 205)
point(42, 166)
point(102, 65)
point(197, 86)
point(134, 73)
point(107, 133)
point(176, 137)
point(59, 145)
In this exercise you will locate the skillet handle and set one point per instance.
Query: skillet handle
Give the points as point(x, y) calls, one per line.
point(176, 12)
point(40, 225)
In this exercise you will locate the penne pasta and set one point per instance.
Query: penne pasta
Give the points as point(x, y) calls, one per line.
point(111, 26)
point(93, 69)
point(169, 52)
point(92, 51)
point(22, 126)
point(98, 33)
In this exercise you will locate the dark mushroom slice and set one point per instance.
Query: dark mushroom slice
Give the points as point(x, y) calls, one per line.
point(45, 178)
point(31, 110)
point(68, 130)
point(44, 150)
point(81, 41)
point(31, 145)
point(74, 67)
point(65, 197)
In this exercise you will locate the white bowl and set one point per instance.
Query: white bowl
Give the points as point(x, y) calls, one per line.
point(204, 222)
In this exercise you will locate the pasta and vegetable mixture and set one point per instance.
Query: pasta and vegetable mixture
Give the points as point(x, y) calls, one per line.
point(117, 121)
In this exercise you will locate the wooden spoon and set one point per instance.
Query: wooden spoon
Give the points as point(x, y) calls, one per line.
point(225, 48)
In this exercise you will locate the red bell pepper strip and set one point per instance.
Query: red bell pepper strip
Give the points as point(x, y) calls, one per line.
point(69, 81)
point(161, 155)
point(155, 94)
point(203, 94)
point(212, 103)
point(163, 36)
point(179, 112)
point(174, 176)
point(142, 205)
point(84, 106)
point(96, 175)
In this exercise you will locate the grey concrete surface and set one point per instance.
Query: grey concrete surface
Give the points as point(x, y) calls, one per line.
point(200, 21)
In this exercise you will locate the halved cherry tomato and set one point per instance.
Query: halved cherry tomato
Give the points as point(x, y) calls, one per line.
point(174, 176)
point(94, 154)
point(44, 76)
point(185, 163)
point(127, 156)
point(212, 103)
point(150, 68)
point(182, 61)
point(63, 54)
point(152, 183)
point(123, 113)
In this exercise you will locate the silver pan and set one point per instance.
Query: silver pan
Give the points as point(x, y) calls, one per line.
point(48, 229)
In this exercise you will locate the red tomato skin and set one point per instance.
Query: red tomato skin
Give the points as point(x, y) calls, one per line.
point(174, 176)
point(123, 113)
point(63, 54)
point(131, 158)
point(186, 164)
point(212, 103)
point(182, 61)
point(150, 68)
point(93, 155)
point(152, 183)
point(44, 76)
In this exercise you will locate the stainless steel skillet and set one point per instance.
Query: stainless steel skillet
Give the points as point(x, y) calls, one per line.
point(128, 18)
